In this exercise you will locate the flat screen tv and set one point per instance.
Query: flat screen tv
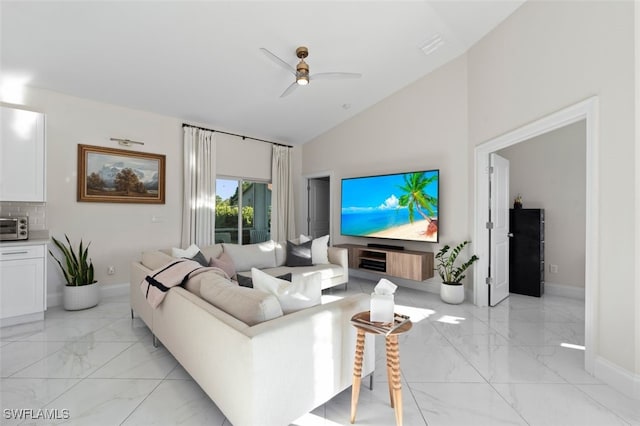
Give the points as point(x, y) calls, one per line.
point(401, 206)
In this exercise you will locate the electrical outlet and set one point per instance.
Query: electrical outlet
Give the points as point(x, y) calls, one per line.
point(111, 270)
point(553, 269)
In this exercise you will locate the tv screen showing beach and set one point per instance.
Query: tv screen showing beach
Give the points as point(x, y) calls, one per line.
point(401, 206)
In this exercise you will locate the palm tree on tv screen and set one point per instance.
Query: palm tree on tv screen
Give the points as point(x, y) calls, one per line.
point(417, 200)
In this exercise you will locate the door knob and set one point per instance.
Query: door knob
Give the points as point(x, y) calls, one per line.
point(510, 235)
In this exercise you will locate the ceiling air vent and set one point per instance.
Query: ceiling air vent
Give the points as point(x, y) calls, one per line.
point(432, 44)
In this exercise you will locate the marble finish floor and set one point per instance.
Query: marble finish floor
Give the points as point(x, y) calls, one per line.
point(515, 364)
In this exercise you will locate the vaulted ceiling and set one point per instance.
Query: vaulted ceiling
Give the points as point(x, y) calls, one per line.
point(201, 61)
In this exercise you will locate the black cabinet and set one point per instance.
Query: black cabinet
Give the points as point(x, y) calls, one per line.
point(526, 252)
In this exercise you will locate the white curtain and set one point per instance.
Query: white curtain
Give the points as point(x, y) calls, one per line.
point(199, 201)
point(282, 219)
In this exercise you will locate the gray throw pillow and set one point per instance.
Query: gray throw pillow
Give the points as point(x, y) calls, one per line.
point(199, 257)
point(299, 254)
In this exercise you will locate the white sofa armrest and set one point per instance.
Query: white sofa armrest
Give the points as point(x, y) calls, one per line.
point(340, 256)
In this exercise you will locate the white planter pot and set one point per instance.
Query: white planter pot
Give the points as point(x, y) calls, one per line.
point(75, 298)
point(452, 294)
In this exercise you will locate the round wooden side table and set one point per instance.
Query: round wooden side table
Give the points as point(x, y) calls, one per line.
point(362, 321)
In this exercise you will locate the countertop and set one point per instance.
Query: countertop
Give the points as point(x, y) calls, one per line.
point(35, 238)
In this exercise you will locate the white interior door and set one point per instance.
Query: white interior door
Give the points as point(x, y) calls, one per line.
point(318, 219)
point(499, 231)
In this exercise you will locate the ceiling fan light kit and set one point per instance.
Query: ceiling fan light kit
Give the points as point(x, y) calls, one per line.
point(301, 71)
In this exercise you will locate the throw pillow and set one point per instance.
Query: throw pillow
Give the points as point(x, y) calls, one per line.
point(246, 281)
point(299, 254)
point(225, 263)
point(319, 249)
point(189, 252)
point(192, 252)
point(248, 305)
point(302, 292)
point(199, 257)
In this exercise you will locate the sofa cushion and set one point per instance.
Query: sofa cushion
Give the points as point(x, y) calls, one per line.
point(225, 263)
point(245, 257)
point(302, 292)
point(248, 305)
point(299, 254)
point(155, 259)
point(319, 249)
point(194, 283)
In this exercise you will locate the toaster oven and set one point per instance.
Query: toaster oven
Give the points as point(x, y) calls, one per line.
point(14, 228)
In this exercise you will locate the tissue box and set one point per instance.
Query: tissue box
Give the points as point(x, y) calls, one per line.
point(381, 308)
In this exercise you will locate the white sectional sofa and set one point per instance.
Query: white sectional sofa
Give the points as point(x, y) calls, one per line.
point(270, 257)
point(267, 374)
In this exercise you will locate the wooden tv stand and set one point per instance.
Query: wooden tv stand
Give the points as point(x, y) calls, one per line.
point(409, 264)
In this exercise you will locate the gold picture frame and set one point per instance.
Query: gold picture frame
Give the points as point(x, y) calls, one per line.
point(109, 175)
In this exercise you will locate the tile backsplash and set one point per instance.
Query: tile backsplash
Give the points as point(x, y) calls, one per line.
point(37, 213)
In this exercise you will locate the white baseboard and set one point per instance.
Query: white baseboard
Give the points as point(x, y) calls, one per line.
point(563, 290)
point(5, 322)
point(111, 290)
point(617, 377)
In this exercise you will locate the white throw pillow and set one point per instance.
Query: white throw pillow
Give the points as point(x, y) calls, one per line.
point(319, 249)
point(192, 252)
point(302, 292)
point(188, 253)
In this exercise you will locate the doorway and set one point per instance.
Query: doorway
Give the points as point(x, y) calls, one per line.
point(586, 110)
point(318, 206)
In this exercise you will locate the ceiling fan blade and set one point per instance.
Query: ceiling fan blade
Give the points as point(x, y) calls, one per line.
point(278, 61)
point(335, 75)
point(289, 89)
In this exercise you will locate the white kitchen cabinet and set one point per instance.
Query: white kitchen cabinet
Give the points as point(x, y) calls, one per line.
point(22, 154)
point(22, 283)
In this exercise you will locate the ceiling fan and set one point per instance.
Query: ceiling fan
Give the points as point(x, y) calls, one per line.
point(301, 71)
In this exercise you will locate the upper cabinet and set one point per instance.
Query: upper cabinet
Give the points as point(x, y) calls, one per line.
point(22, 155)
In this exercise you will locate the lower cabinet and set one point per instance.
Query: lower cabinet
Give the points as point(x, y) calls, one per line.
point(22, 283)
point(409, 264)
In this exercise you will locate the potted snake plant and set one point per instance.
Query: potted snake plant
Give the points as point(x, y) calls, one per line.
point(451, 289)
point(81, 290)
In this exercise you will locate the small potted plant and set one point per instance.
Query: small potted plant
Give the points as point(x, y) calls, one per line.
point(451, 289)
point(81, 290)
point(517, 202)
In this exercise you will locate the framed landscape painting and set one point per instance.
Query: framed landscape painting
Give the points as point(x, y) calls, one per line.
point(109, 175)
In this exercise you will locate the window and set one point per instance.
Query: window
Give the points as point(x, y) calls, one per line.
point(243, 211)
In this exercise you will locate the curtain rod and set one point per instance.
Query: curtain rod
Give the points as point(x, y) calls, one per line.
point(235, 134)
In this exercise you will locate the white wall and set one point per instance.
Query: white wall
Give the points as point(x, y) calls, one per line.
point(549, 172)
point(120, 232)
point(421, 127)
point(547, 56)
